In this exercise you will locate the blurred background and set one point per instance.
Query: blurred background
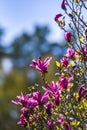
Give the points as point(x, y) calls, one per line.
point(27, 31)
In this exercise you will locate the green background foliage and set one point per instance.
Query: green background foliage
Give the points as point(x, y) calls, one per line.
point(20, 53)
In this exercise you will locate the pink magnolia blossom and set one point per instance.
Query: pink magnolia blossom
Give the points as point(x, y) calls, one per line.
point(40, 98)
point(31, 101)
point(70, 53)
point(63, 5)
point(41, 65)
point(22, 121)
point(64, 61)
point(57, 99)
point(54, 89)
point(21, 99)
point(37, 96)
point(62, 121)
point(64, 82)
point(82, 92)
point(24, 111)
point(58, 16)
point(45, 97)
point(50, 125)
point(68, 36)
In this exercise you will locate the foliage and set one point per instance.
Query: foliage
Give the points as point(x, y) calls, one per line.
point(20, 77)
point(14, 82)
point(61, 104)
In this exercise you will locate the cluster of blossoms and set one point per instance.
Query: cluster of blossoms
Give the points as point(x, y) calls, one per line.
point(38, 106)
point(62, 104)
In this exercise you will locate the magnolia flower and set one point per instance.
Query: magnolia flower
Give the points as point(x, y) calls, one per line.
point(22, 99)
point(70, 53)
point(62, 121)
point(31, 100)
point(37, 117)
point(49, 105)
point(64, 61)
point(53, 88)
point(22, 121)
point(63, 6)
point(57, 17)
point(24, 111)
point(68, 36)
point(64, 82)
point(39, 98)
point(57, 99)
point(41, 65)
point(82, 92)
point(50, 125)
point(60, 22)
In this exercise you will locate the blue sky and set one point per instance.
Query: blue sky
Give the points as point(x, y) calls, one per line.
point(17, 16)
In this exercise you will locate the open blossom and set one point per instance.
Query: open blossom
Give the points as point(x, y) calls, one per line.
point(37, 96)
point(68, 36)
point(22, 121)
point(31, 101)
point(23, 117)
point(64, 82)
point(24, 111)
point(57, 17)
point(50, 125)
point(22, 99)
point(64, 61)
point(41, 65)
point(70, 53)
point(40, 98)
point(54, 89)
point(62, 121)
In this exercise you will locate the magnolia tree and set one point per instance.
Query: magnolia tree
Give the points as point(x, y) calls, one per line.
point(61, 105)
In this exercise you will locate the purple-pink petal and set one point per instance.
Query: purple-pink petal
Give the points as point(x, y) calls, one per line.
point(70, 53)
point(41, 65)
point(63, 6)
point(68, 36)
point(58, 16)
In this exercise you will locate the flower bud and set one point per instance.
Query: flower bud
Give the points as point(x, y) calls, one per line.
point(68, 36)
point(63, 6)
